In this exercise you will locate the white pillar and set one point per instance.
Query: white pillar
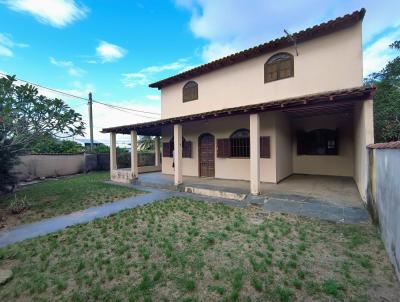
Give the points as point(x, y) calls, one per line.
point(157, 151)
point(178, 154)
point(113, 152)
point(255, 154)
point(134, 154)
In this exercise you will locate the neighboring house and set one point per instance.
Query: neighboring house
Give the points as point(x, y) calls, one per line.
point(270, 111)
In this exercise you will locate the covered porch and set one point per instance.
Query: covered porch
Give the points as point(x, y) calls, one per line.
point(201, 145)
point(341, 191)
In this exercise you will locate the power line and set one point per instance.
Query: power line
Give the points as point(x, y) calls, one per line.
point(120, 108)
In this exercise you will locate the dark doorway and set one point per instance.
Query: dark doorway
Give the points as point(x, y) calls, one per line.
point(206, 155)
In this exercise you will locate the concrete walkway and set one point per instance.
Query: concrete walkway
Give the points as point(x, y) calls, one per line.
point(283, 203)
point(58, 223)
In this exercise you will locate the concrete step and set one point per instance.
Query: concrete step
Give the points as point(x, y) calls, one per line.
point(215, 192)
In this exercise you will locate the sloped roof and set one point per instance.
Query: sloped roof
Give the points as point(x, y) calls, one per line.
point(273, 45)
point(316, 102)
point(389, 145)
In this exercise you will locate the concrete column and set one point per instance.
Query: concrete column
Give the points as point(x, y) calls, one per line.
point(113, 151)
point(157, 151)
point(134, 154)
point(255, 154)
point(178, 154)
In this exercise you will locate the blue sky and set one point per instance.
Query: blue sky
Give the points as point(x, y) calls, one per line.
point(116, 48)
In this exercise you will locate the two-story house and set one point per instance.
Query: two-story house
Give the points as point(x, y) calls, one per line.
point(293, 105)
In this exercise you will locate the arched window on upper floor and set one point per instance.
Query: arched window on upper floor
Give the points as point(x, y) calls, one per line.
point(279, 66)
point(190, 91)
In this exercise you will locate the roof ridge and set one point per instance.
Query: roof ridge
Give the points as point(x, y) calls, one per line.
point(261, 48)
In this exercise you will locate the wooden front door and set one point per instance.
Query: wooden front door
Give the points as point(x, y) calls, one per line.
point(206, 155)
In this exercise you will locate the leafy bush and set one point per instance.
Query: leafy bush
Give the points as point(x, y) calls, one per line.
point(101, 148)
point(8, 160)
point(18, 205)
point(53, 145)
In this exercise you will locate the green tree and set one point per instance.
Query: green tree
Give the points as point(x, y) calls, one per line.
point(101, 148)
point(25, 118)
point(387, 99)
point(146, 143)
point(49, 144)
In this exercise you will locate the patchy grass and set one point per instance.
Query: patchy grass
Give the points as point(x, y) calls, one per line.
point(61, 196)
point(184, 250)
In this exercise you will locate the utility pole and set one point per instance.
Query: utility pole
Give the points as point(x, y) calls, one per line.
point(90, 102)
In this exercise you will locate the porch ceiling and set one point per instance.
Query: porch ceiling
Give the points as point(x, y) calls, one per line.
point(322, 103)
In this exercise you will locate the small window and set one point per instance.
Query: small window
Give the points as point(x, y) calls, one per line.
point(240, 143)
point(190, 91)
point(318, 142)
point(279, 66)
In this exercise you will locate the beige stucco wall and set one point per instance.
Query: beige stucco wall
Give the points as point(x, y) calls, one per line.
point(284, 162)
point(226, 168)
point(363, 136)
point(36, 166)
point(327, 63)
point(336, 165)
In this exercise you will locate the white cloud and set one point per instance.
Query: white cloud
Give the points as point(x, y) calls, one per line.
point(131, 80)
point(7, 44)
point(69, 66)
point(57, 13)
point(214, 51)
point(146, 75)
point(378, 53)
point(153, 97)
point(232, 25)
point(109, 52)
point(5, 52)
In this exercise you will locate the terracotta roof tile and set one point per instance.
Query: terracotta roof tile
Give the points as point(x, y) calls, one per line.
point(273, 45)
point(389, 145)
point(320, 99)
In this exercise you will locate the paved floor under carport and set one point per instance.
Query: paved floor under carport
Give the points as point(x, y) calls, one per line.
point(324, 197)
point(335, 190)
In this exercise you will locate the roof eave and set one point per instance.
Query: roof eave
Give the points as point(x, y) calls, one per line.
point(352, 94)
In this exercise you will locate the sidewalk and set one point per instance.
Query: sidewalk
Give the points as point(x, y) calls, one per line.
point(282, 203)
point(58, 223)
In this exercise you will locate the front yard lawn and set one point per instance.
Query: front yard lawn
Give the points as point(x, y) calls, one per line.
point(186, 250)
point(61, 196)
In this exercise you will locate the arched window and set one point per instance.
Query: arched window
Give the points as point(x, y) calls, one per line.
point(190, 91)
point(240, 143)
point(279, 66)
